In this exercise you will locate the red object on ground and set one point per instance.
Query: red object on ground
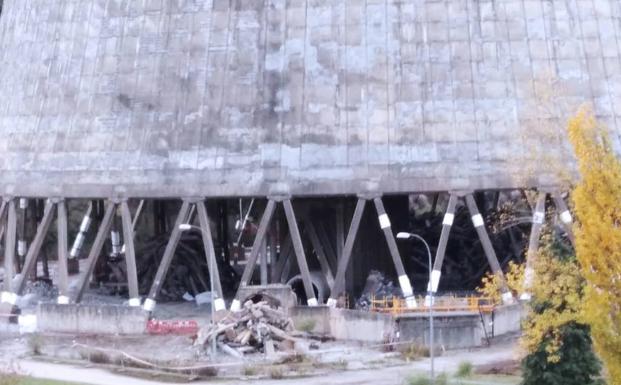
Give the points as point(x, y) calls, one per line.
point(172, 327)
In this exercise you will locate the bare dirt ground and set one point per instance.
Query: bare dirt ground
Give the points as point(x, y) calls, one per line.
point(335, 364)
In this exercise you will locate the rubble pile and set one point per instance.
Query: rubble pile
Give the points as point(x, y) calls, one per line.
point(257, 328)
point(377, 286)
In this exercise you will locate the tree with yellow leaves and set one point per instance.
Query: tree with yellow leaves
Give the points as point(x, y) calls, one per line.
point(597, 205)
point(557, 344)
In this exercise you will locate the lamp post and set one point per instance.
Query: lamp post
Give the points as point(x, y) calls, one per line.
point(404, 235)
point(186, 227)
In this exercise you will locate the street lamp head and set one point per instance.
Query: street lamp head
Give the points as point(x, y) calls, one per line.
point(403, 235)
point(185, 227)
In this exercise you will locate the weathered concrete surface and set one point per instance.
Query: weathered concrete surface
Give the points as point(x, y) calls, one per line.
point(344, 324)
point(506, 319)
point(451, 330)
point(457, 330)
point(255, 97)
point(91, 319)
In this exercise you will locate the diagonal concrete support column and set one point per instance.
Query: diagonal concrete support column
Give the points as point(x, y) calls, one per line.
point(319, 251)
point(404, 280)
point(35, 247)
point(447, 224)
point(210, 253)
point(3, 206)
point(8, 296)
point(326, 243)
point(254, 253)
point(63, 273)
point(343, 262)
point(299, 253)
point(285, 251)
point(130, 254)
point(93, 255)
point(162, 270)
point(492, 259)
point(85, 225)
point(565, 216)
point(539, 215)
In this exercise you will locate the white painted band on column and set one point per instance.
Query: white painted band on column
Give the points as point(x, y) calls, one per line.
point(77, 245)
point(428, 301)
point(507, 298)
point(538, 217)
point(86, 223)
point(134, 302)
point(22, 248)
point(23, 203)
point(448, 219)
point(435, 280)
point(62, 300)
point(218, 304)
point(27, 323)
point(477, 220)
point(566, 217)
point(235, 305)
point(8, 297)
point(149, 304)
point(116, 242)
point(525, 297)
point(312, 302)
point(384, 221)
point(410, 302)
point(406, 287)
point(331, 302)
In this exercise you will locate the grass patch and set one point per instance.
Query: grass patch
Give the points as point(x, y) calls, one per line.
point(413, 352)
point(307, 325)
point(276, 373)
point(35, 344)
point(464, 370)
point(21, 380)
point(441, 379)
point(249, 371)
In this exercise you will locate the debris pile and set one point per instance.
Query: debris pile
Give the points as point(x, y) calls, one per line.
point(258, 327)
point(187, 277)
point(377, 286)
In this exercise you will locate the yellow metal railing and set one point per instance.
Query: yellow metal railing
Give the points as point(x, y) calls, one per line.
point(396, 305)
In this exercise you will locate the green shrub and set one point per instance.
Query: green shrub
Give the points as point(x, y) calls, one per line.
point(35, 344)
point(9, 379)
point(464, 370)
point(441, 379)
point(577, 363)
point(307, 325)
point(413, 352)
point(249, 371)
point(276, 373)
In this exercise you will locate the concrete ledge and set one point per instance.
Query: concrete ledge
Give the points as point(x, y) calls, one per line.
point(451, 330)
point(91, 319)
point(506, 319)
point(344, 324)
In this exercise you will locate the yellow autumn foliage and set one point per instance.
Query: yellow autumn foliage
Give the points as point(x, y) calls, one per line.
point(597, 204)
point(491, 285)
point(556, 297)
point(556, 301)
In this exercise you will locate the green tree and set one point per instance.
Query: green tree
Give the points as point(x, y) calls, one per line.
point(575, 362)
